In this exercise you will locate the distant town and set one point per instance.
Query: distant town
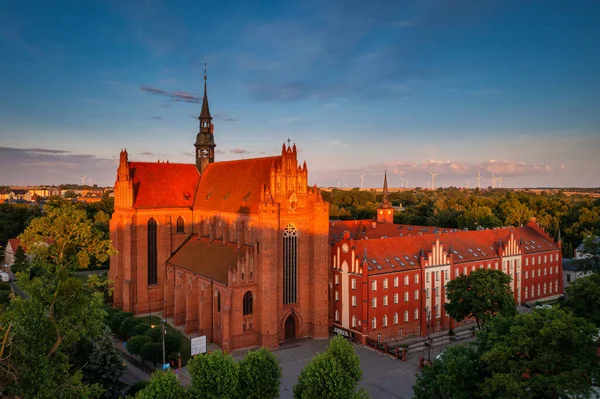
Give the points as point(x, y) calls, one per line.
point(40, 194)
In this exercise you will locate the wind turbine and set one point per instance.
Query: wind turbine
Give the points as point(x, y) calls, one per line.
point(493, 180)
point(362, 180)
point(433, 175)
point(83, 180)
point(467, 184)
point(500, 180)
point(90, 180)
point(479, 178)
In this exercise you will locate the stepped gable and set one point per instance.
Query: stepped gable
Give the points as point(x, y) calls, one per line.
point(467, 246)
point(234, 186)
point(163, 185)
point(210, 260)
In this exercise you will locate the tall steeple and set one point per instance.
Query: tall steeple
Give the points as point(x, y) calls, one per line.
point(205, 140)
point(385, 212)
point(385, 190)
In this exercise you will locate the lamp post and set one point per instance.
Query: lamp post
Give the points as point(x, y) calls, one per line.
point(162, 324)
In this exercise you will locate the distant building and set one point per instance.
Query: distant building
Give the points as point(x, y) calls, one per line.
point(580, 252)
point(11, 250)
point(393, 287)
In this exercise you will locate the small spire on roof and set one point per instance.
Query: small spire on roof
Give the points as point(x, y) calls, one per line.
point(386, 201)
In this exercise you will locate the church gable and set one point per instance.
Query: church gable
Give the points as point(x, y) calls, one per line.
point(163, 185)
point(234, 186)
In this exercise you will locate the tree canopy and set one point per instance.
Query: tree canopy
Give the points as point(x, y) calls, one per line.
point(582, 297)
point(481, 295)
point(214, 376)
point(334, 374)
point(163, 385)
point(547, 354)
point(259, 375)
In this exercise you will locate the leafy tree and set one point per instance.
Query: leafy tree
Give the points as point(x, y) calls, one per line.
point(116, 318)
point(105, 366)
point(70, 194)
point(20, 264)
point(139, 329)
point(259, 375)
point(135, 344)
point(332, 374)
point(66, 238)
point(163, 385)
point(214, 375)
point(127, 326)
point(582, 297)
point(545, 354)
point(40, 331)
point(455, 376)
point(591, 255)
point(549, 353)
point(481, 295)
point(152, 352)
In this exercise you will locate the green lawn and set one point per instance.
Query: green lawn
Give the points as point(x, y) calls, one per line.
point(186, 344)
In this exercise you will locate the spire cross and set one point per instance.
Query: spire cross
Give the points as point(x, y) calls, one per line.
point(289, 141)
point(205, 71)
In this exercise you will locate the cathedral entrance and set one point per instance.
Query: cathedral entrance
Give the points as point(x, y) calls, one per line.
point(290, 328)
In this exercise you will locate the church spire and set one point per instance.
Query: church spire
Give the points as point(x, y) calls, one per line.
point(205, 118)
point(205, 139)
point(385, 189)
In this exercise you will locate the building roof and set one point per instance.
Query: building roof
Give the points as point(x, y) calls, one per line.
point(397, 253)
point(14, 244)
point(210, 260)
point(581, 247)
point(163, 185)
point(234, 186)
point(366, 229)
point(569, 264)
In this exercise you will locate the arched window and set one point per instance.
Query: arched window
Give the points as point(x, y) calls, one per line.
point(180, 225)
point(247, 303)
point(290, 263)
point(218, 301)
point(152, 252)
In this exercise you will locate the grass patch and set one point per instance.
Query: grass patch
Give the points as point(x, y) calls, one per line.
point(186, 344)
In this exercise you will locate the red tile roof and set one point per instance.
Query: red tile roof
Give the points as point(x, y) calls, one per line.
point(391, 254)
point(234, 186)
point(14, 244)
point(163, 185)
point(210, 260)
point(365, 229)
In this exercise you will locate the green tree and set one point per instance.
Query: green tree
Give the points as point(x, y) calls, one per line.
point(259, 375)
point(214, 376)
point(334, 374)
point(455, 375)
point(481, 295)
point(547, 354)
point(66, 239)
point(105, 366)
point(582, 297)
point(20, 263)
point(135, 344)
point(163, 385)
point(70, 194)
point(41, 329)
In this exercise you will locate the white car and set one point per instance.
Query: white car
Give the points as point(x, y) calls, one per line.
point(4, 277)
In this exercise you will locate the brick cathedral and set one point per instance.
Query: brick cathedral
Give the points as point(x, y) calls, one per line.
point(233, 250)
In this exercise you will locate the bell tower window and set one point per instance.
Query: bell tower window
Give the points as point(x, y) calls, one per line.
point(290, 264)
point(152, 252)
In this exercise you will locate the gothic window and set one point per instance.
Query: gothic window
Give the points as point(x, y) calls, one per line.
point(152, 252)
point(290, 264)
point(218, 301)
point(247, 303)
point(180, 225)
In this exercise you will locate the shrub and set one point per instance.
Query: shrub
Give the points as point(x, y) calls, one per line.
point(139, 329)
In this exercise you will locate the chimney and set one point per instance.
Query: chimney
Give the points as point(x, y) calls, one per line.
point(373, 225)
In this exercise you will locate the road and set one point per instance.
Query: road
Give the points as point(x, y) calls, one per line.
point(134, 373)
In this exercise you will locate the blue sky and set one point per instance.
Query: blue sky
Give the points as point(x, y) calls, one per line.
point(452, 87)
